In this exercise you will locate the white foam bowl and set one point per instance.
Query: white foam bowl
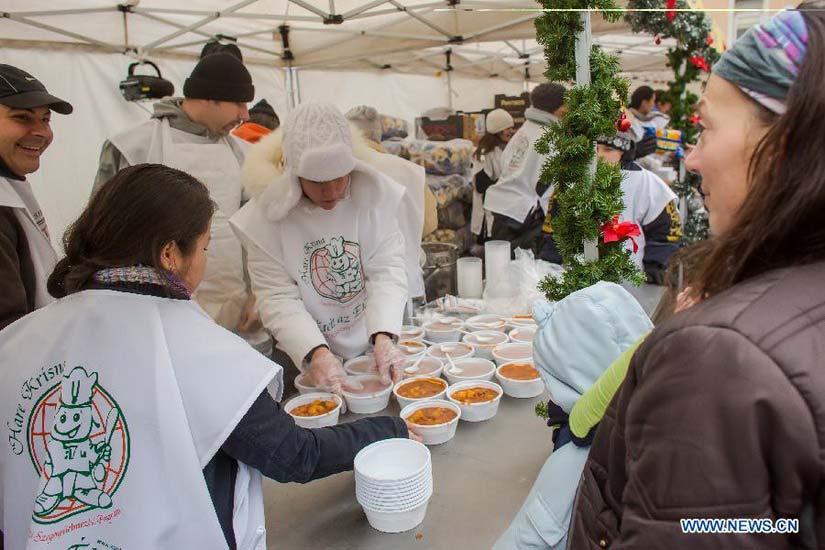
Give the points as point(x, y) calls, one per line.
point(512, 352)
point(428, 366)
point(321, 421)
point(365, 364)
point(523, 334)
point(404, 401)
point(412, 348)
point(439, 433)
point(360, 403)
point(396, 522)
point(485, 350)
point(473, 368)
point(485, 322)
point(302, 383)
point(395, 459)
point(520, 388)
point(384, 491)
point(522, 322)
point(391, 504)
point(411, 332)
point(436, 333)
point(457, 350)
point(477, 412)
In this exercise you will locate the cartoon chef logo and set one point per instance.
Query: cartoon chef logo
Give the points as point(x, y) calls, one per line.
point(336, 270)
point(79, 445)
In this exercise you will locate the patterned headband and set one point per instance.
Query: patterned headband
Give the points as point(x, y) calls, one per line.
point(765, 62)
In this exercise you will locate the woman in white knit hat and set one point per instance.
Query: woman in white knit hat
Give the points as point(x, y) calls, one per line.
point(325, 253)
point(500, 127)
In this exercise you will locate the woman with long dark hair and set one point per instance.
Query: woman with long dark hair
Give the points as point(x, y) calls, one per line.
point(487, 167)
point(136, 419)
point(722, 412)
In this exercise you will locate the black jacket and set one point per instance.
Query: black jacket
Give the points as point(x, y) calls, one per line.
point(17, 281)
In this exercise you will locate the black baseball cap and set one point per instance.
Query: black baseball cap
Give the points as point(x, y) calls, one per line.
point(20, 90)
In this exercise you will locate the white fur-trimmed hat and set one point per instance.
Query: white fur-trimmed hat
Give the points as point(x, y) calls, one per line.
point(498, 120)
point(317, 143)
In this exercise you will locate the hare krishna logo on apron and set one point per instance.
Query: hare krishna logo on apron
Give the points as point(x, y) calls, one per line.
point(79, 445)
point(335, 270)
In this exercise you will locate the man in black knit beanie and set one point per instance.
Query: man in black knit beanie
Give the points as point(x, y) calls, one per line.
point(193, 134)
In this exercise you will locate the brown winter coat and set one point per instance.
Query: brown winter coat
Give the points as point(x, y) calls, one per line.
point(722, 415)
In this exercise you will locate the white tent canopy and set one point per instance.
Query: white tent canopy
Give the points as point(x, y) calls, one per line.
point(391, 54)
point(485, 37)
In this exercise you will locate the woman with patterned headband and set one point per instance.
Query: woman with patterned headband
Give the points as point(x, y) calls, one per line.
point(722, 411)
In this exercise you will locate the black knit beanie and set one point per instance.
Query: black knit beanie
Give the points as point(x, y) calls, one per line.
point(263, 107)
point(548, 97)
point(220, 77)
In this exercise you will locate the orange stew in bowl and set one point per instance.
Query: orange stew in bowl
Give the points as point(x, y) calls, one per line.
point(424, 387)
point(519, 371)
point(431, 416)
point(316, 408)
point(474, 395)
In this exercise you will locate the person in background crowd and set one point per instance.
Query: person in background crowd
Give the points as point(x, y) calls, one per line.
point(214, 46)
point(193, 134)
point(500, 127)
point(262, 121)
point(642, 112)
point(648, 202)
point(150, 389)
point(325, 251)
point(518, 200)
point(663, 102)
point(26, 253)
point(726, 395)
point(418, 198)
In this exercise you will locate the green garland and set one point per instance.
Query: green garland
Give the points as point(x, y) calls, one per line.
point(692, 31)
point(585, 203)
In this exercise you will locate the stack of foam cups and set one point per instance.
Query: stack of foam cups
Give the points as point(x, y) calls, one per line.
point(394, 483)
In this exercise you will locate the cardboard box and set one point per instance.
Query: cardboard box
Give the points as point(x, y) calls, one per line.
point(515, 105)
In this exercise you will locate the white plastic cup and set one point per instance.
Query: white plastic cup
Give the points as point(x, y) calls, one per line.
point(472, 368)
point(438, 433)
point(404, 401)
point(520, 388)
point(476, 412)
point(470, 283)
point(360, 403)
point(320, 421)
point(496, 260)
point(396, 522)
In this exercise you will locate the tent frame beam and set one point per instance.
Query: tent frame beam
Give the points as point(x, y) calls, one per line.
point(197, 24)
point(62, 32)
point(258, 16)
point(415, 15)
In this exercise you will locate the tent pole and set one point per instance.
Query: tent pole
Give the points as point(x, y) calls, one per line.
point(583, 42)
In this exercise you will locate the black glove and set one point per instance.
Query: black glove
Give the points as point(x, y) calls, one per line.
point(645, 147)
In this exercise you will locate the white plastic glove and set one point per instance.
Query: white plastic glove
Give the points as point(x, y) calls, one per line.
point(389, 359)
point(326, 371)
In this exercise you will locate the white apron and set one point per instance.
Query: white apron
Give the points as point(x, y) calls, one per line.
point(42, 252)
point(645, 195)
point(411, 212)
point(491, 164)
point(514, 194)
point(121, 402)
point(222, 293)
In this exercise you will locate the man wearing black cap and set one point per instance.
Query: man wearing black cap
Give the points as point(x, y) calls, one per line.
point(192, 134)
point(26, 253)
point(518, 200)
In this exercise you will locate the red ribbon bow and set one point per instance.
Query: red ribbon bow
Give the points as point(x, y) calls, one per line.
point(670, 12)
point(615, 231)
point(700, 63)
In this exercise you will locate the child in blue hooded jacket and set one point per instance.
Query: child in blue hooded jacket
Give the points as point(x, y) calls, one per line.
point(577, 340)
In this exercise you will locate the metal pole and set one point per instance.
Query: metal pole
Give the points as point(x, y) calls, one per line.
point(583, 42)
point(450, 89)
